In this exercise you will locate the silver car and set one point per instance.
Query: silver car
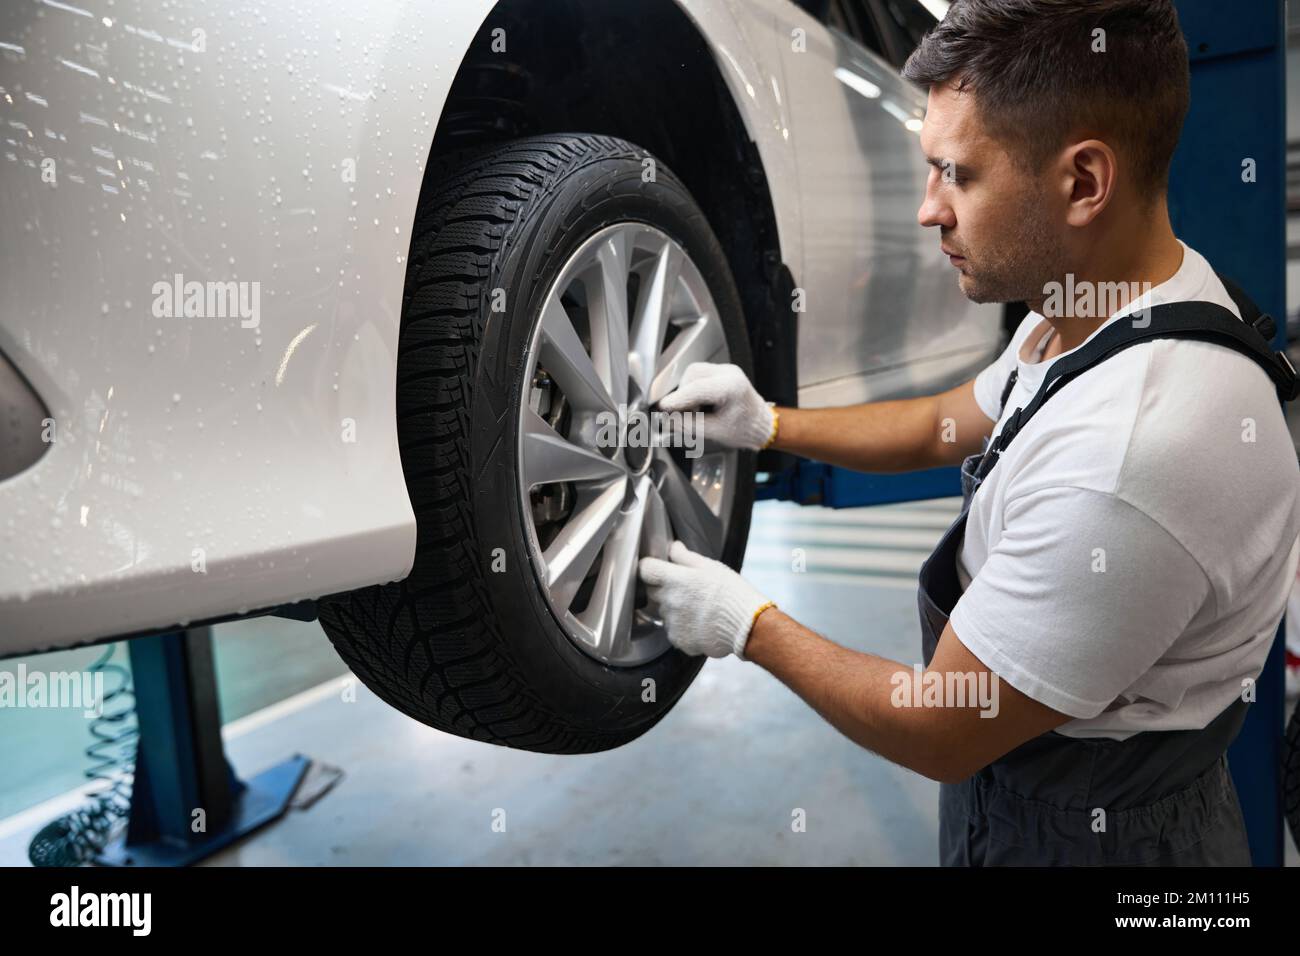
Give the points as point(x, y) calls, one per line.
point(322, 314)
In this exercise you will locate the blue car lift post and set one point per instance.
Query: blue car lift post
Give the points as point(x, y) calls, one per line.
point(1238, 57)
point(181, 764)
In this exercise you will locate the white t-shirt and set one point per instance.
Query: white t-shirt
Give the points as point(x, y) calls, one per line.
point(1128, 560)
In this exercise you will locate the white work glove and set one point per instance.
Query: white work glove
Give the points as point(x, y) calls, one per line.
point(706, 607)
point(739, 418)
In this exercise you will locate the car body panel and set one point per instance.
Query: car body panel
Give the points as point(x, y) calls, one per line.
point(733, 30)
point(201, 466)
point(884, 315)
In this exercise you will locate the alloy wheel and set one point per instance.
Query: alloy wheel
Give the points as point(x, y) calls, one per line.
point(626, 315)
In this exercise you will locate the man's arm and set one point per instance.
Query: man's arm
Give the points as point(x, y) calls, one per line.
point(892, 436)
point(856, 693)
point(1062, 608)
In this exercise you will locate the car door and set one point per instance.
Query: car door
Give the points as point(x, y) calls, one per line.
point(884, 316)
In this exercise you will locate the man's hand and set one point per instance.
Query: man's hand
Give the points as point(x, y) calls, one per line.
point(707, 608)
point(738, 416)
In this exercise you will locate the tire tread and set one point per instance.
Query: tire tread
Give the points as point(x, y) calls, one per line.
point(443, 660)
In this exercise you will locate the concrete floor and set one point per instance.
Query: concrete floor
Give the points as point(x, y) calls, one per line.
point(716, 782)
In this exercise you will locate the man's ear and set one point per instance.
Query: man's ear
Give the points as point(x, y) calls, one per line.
point(1088, 174)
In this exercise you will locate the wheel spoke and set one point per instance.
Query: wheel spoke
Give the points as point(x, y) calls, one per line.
point(609, 613)
point(550, 457)
point(571, 554)
point(650, 323)
point(607, 307)
point(656, 529)
point(698, 527)
point(563, 355)
point(701, 341)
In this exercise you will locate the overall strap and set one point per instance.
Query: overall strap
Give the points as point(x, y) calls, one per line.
point(1204, 321)
point(1006, 390)
point(1250, 312)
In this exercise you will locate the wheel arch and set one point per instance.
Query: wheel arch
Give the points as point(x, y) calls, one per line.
point(692, 96)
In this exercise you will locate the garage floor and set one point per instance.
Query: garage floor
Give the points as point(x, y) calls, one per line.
point(717, 782)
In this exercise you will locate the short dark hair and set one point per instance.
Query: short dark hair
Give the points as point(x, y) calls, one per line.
point(1035, 76)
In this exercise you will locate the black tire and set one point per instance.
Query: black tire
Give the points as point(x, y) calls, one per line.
point(455, 645)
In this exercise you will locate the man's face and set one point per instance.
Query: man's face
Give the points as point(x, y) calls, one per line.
point(1003, 224)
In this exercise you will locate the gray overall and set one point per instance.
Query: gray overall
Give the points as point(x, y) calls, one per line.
point(1157, 798)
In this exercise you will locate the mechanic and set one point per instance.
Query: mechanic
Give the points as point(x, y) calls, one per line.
point(1122, 570)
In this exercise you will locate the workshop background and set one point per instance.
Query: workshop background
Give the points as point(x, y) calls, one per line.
point(714, 783)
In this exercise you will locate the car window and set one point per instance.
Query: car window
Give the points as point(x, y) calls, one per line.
point(902, 24)
point(914, 18)
point(849, 17)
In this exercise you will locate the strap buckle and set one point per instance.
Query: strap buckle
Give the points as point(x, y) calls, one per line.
point(1010, 429)
point(1265, 326)
point(1293, 392)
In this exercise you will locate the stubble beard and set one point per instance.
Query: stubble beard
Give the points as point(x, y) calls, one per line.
point(1019, 268)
